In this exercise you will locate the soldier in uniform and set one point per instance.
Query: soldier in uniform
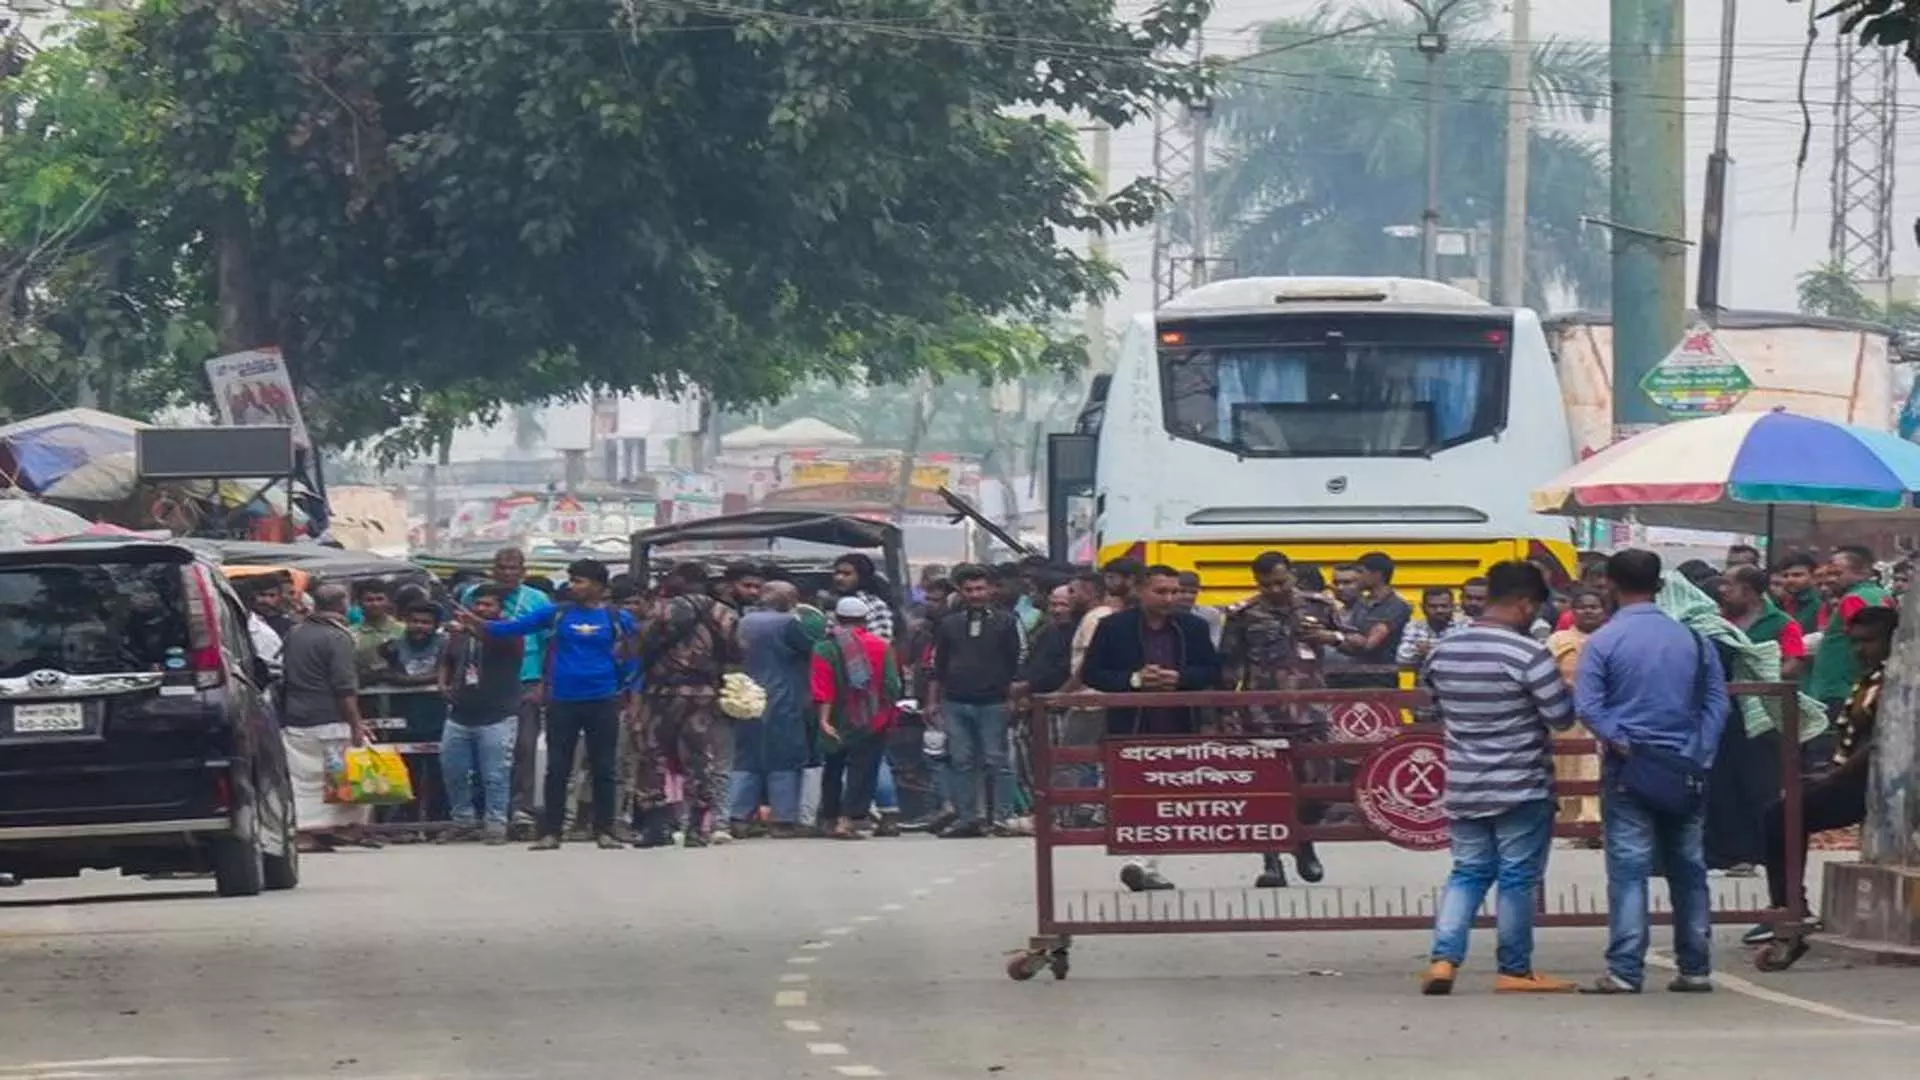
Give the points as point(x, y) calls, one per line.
point(1268, 643)
point(684, 650)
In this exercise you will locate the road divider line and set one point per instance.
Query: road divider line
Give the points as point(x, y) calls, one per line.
point(866, 918)
point(893, 907)
point(943, 881)
point(803, 1027)
point(796, 977)
point(803, 959)
point(790, 999)
point(838, 931)
point(1775, 997)
point(827, 1049)
point(858, 1070)
point(816, 945)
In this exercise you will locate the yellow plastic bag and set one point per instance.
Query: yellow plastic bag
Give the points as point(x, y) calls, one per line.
point(370, 776)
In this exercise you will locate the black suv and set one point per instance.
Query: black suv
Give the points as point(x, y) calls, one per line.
point(136, 727)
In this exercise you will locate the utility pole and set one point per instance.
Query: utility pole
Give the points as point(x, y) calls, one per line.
point(1649, 217)
point(1713, 217)
point(1513, 226)
point(1432, 44)
point(1197, 211)
point(1096, 324)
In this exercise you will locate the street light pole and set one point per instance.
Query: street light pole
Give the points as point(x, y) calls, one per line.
point(1432, 44)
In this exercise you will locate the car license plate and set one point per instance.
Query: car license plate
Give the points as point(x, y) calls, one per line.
point(49, 718)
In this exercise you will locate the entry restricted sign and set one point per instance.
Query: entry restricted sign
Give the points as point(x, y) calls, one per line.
point(1213, 796)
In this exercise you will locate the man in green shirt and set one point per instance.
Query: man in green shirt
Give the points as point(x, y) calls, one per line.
point(1802, 599)
point(1834, 668)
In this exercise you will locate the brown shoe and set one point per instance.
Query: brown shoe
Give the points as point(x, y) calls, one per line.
point(1532, 983)
point(1438, 982)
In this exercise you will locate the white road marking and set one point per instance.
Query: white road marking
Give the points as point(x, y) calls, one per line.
point(827, 1049)
point(1774, 997)
point(857, 1070)
point(803, 1027)
point(921, 894)
point(803, 959)
point(866, 918)
point(796, 977)
point(943, 881)
point(816, 945)
point(790, 999)
point(893, 907)
point(838, 931)
point(111, 1063)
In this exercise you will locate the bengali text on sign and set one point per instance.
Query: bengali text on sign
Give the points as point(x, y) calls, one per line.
point(1212, 796)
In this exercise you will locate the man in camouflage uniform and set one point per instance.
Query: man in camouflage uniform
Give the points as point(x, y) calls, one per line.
point(684, 649)
point(1266, 645)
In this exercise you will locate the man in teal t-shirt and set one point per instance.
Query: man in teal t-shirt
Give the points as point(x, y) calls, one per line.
point(510, 573)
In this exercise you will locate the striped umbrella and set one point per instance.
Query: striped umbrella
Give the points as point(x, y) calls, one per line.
point(1776, 472)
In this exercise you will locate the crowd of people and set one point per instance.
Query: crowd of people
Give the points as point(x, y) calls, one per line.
point(883, 713)
point(1691, 775)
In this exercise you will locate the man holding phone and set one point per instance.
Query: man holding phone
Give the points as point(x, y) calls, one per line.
point(1152, 648)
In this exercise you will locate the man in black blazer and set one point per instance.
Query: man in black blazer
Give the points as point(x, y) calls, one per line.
point(1152, 646)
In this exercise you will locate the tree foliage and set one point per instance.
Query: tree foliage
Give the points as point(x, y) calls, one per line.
point(1829, 290)
point(441, 207)
point(1322, 148)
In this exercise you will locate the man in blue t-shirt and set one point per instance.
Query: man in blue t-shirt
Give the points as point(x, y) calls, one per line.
point(587, 674)
point(521, 600)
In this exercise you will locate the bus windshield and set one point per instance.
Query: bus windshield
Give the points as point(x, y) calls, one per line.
point(1348, 388)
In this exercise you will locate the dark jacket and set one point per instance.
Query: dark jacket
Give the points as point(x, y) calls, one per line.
point(1119, 649)
point(1049, 659)
point(975, 665)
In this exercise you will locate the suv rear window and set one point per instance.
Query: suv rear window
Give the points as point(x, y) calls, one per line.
point(90, 618)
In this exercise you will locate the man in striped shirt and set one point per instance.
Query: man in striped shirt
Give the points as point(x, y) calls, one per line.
point(1500, 696)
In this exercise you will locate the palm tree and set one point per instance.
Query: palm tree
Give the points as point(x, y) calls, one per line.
point(1321, 148)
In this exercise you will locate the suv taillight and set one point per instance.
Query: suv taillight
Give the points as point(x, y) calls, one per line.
point(203, 630)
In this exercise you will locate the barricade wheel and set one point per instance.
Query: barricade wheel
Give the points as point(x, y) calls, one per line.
point(1059, 964)
point(1780, 954)
point(1024, 966)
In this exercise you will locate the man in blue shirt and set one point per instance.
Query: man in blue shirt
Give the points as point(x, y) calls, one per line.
point(521, 600)
point(1647, 684)
point(587, 675)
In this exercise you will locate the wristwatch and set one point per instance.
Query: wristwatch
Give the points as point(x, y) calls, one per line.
point(1134, 681)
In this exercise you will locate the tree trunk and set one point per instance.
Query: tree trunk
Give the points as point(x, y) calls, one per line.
point(917, 431)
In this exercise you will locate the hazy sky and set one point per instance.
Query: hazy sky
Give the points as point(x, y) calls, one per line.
point(1771, 246)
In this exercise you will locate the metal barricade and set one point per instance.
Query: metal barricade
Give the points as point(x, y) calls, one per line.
point(1215, 794)
point(410, 719)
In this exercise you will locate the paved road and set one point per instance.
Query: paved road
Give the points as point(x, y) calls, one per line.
point(817, 959)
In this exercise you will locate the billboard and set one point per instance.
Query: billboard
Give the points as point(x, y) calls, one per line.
point(252, 389)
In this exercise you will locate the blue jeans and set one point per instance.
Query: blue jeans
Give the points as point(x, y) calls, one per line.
point(1635, 837)
point(976, 741)
point(485, 749)
point(1510, 849)
point(782, 791)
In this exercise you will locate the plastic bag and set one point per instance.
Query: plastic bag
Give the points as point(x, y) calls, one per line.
point(740, 697)
point(369, 776)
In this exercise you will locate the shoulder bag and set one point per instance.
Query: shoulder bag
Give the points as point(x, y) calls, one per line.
point(1665, 781)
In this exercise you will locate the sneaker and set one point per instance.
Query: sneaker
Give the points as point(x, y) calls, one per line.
point(1438, 981)
point(696, 840)
point(1691, 984)
point(888, 825)
point(1532, 983)
point(496, 836)
point(1759, 935)
point(720, 836)
point(546, 843)
point(1139, 878)
point(783, 830)
point(936, 824)
point(965, 830)
point(1609, 983)
point(606, 841)
point(458, 834)
point(746, 830)
point(1018, 826)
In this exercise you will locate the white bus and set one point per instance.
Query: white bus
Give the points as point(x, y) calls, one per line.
point(1329, 417)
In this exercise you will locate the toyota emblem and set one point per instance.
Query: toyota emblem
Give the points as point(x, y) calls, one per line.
point(1337, 485)
point(45, 679)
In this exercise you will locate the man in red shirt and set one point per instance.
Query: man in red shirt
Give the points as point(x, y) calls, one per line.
point(856, 681)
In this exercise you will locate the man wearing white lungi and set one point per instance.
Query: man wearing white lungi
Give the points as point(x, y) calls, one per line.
point(321, 717)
